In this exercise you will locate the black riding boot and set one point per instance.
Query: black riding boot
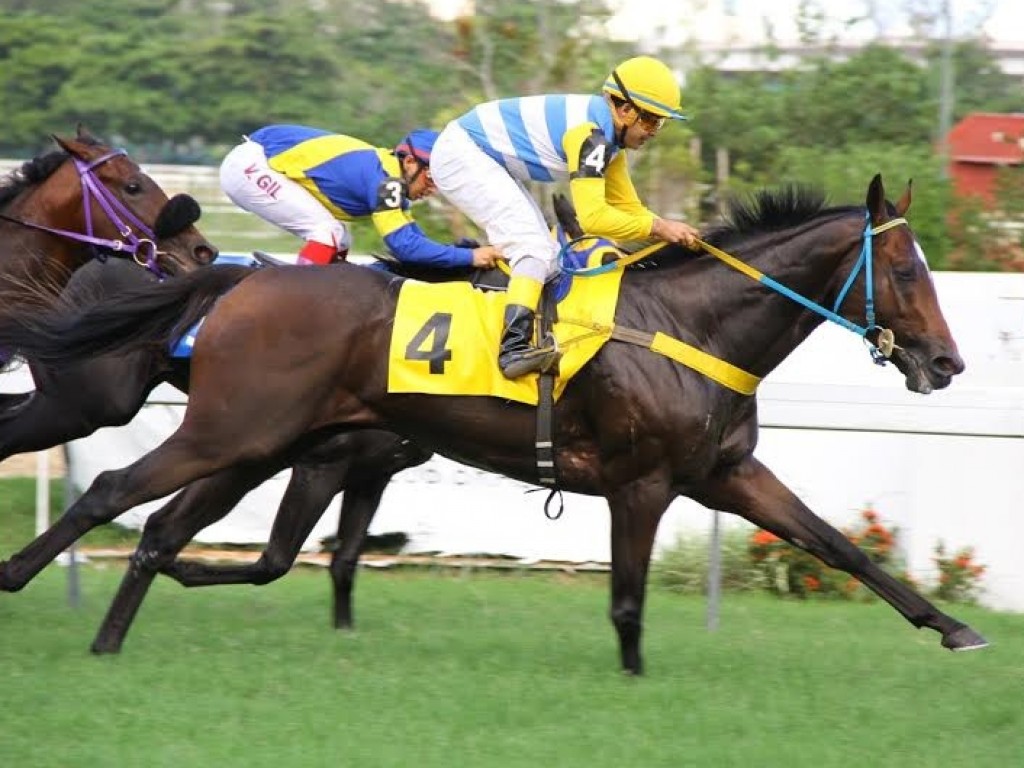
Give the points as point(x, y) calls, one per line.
point(517, 355)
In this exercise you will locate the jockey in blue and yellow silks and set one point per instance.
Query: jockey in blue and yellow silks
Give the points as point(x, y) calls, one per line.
point(310, 182)
point(482, 159)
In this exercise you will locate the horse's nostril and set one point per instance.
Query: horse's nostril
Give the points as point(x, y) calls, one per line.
point(948, 366)
point(204, 254)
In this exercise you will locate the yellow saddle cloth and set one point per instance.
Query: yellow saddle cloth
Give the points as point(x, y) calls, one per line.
point(446, 336)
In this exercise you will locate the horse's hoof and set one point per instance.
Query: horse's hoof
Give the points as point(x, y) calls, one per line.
point(964, 639)
point(99, 648)
point(6, 584)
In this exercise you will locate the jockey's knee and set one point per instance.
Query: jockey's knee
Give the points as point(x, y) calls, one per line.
point(332, 233)
point(536, 268)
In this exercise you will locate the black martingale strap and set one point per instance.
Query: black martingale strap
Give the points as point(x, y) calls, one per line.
point(545, 441)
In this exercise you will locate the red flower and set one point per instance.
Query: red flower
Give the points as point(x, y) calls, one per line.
point(764, 538)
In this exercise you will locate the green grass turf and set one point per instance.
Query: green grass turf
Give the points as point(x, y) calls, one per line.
point(489, 670)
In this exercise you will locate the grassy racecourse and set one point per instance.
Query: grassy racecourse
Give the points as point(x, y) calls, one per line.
point(489, 670)
point(479, 670)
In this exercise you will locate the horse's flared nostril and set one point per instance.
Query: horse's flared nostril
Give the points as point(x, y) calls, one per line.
point(204, 254)
point(948, 365)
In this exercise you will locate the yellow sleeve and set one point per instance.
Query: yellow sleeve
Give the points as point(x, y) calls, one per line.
point(387, 221)
point(619, 190)
point(602, 192)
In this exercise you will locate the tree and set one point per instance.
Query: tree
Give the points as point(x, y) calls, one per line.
point(845, 174)
point(31, 76)
point(877, 95)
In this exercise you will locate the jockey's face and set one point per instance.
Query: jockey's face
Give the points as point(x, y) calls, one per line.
point(420, 182)
point(639, 126)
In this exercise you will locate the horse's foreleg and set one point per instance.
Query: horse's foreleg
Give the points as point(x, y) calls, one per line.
point(750, 490)
point(74, 402)
point(358, 506)
point(44, 421)
point(178, 461)
point(165, 534)
point(636, 510)
point(12, 401)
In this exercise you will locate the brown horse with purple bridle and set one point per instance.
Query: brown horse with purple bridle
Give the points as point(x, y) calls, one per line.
point(291, 355)
point(86, 200)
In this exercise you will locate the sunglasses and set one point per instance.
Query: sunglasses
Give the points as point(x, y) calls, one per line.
point(648, 120)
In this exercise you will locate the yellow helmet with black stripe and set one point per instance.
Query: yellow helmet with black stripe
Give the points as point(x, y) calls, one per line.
point(647, 84)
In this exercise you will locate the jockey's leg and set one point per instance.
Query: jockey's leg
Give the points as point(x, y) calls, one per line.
point(251, 184)
point(518, 354)
point(479, 186)
point(326, 244)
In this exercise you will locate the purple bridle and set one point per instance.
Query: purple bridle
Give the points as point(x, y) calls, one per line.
point(143, 249)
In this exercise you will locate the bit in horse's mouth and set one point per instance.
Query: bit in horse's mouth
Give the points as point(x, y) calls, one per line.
point(919, 377)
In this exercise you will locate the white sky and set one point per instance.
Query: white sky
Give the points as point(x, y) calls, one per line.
point(724, 20)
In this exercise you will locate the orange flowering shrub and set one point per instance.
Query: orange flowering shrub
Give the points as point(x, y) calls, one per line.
point(959, 575)
point(789, 570)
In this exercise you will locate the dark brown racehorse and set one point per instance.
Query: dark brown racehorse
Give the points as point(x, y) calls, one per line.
point(302, 352)
point(73, 400)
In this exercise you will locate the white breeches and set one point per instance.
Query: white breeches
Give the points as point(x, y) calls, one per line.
point(499, 204)
point(254, 186)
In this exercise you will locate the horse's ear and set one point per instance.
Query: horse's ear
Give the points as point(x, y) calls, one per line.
point(876, 200)
point(74, 147)
point(61, 142)
point(83, 134)
point(904, 202)
point(565, 213)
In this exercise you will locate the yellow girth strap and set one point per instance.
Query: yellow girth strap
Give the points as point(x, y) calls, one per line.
point(726, 374)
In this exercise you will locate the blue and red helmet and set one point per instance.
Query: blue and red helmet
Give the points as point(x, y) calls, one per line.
point(419, 143)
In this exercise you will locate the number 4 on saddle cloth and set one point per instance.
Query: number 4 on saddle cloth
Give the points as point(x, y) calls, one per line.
point(445, 334)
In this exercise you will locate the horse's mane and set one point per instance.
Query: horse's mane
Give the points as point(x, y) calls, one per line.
point(769, 210)
point(34, 171)
point(765, 210)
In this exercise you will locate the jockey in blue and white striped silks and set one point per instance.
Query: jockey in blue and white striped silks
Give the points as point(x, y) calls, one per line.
point(482, 160)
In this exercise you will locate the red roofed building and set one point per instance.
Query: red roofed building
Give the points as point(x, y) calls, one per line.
point(981, 144)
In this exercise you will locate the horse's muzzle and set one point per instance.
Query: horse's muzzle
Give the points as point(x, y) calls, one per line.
point(925, 370)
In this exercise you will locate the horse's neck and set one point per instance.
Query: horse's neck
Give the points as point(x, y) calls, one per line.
point(37, 257)
point(747, 323)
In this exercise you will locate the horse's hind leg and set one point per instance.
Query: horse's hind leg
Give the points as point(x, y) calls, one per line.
point(636, 510)
point(177, 461)
point(358, 506)
point(165, 534)
point(750, 490)
point(309, 491)
point(360, 464)
point(382, 456)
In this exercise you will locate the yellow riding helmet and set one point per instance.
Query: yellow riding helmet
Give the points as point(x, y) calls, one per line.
point(648, 84)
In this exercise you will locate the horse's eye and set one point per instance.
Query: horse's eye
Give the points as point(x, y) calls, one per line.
point(133, 188)
point(905, 272)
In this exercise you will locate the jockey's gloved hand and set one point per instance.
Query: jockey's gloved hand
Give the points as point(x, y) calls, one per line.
point(466, 242)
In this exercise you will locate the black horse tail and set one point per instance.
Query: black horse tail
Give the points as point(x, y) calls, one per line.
point(76, 329)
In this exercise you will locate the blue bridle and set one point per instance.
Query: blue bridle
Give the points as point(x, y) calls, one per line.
point(880, 349)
